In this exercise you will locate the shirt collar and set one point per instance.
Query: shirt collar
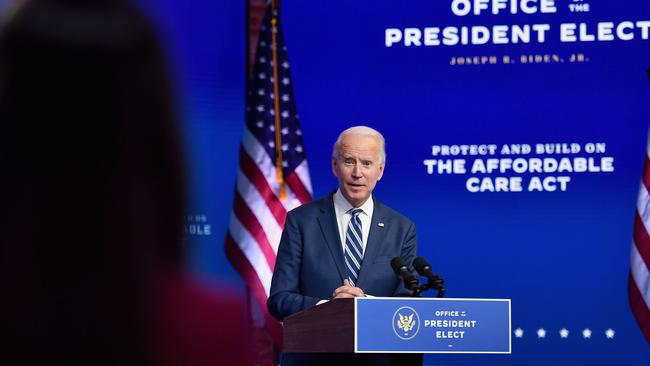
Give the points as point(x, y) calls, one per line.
point(344, 206)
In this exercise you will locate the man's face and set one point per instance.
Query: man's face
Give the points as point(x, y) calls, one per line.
point(357, 166)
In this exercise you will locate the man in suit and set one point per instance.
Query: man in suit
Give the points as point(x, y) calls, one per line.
point(341, 246)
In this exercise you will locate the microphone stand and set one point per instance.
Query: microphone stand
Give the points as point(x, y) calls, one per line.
point(417, 292)
point(434, 282)
point(411, 283)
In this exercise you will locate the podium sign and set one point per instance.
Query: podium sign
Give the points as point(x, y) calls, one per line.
point(432, 325)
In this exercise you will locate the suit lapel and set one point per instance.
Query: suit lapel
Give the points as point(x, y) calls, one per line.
point(375, 240)
point(330, 229)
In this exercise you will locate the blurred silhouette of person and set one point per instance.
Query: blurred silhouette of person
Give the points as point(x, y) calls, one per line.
point(92, 198)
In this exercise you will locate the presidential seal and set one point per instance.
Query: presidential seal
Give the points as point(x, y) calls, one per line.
point(406, 323)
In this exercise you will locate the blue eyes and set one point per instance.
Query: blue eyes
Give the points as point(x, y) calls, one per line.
point(352, 163)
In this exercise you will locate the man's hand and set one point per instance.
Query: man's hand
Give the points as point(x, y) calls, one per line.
point(347, 291)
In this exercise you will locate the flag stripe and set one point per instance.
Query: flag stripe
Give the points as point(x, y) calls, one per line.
point(252, 172)
point(302, 171)
point(297, 187)
point(640, 308)
point(643, 205)
point(641, 240)
point(259, 208)
point(646, 176)
point(266, 166)
point(639, 278)
point(252, 252)
point(247, 272)
point(249, 221)
point(640, 274)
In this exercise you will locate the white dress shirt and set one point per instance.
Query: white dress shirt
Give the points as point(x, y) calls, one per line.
point(343, 215)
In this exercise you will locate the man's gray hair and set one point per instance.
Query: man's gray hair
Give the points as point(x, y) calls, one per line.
point(362, 131)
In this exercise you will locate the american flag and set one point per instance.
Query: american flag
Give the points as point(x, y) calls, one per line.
point(273, 176)
point(639, 279)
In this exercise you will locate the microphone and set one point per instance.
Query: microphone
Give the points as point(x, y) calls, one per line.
point(424, 269)
point(402, 271)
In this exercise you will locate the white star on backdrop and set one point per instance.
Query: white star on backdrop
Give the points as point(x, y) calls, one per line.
point(541, 332)
point(564, 333)
point(285, 131)
point(519, 332)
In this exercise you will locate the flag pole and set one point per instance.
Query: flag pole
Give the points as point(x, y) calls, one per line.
point(276, 100)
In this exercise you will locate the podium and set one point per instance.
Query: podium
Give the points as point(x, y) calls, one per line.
point(332, 322)
point(330, 328)
point(401, 325)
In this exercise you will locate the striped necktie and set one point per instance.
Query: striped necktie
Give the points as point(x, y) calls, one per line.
point(353, 248)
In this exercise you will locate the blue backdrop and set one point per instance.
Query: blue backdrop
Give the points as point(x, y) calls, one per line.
point(562, 256)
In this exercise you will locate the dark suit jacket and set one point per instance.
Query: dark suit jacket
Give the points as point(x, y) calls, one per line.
point(310, 264)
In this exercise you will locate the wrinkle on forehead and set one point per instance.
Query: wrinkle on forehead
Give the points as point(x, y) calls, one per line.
point(364, 147)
